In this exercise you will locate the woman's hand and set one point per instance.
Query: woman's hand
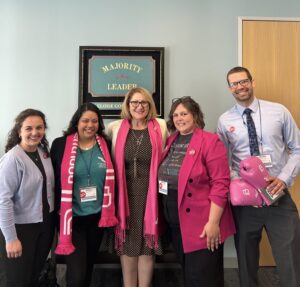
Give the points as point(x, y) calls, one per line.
point(14, 249)
point(213, 235)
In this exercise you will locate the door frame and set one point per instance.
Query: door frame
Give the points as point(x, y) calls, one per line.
point(267, 248)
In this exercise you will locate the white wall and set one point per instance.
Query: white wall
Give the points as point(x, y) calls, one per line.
point(40, 39)
point(40, 45)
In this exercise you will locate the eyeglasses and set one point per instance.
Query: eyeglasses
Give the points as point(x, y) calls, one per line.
point(244, 83)
point(135, 104)
point(180, 99)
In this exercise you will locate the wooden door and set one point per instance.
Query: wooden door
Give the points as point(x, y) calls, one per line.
point(271, 51)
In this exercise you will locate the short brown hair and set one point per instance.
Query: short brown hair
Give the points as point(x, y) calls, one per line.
point(125, 113)
point(192, 106)
point(239, 69)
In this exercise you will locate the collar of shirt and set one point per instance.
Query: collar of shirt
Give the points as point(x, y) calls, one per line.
point(253, 107)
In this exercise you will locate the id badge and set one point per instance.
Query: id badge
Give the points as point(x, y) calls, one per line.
point(266, 159)
point(163, 187)
point(88, 193)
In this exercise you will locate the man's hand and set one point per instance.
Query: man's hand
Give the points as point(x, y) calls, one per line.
point(276, 185)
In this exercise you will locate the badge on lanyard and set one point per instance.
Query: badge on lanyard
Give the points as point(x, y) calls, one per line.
point(163, 187)
point(88, 193)
point(266, 159)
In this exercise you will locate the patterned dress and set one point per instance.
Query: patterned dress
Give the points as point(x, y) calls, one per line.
point(137, 146)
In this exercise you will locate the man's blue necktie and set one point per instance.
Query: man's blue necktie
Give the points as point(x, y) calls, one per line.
point(253, 143)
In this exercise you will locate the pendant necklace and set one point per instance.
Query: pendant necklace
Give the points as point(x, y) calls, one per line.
point(34, 156)
point(87, 147)
point(138, 141)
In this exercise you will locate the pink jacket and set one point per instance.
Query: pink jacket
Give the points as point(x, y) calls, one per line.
point(203, 177)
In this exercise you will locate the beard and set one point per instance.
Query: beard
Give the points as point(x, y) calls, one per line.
point(244, 94)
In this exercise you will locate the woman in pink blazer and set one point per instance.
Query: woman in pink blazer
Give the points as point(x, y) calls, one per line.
point(194, 182)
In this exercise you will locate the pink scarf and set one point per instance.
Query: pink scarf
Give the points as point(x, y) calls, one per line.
point(65, 246)
point(151, 231)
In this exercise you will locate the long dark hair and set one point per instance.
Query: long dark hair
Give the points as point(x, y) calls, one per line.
point(72, 128)
point(13, 135)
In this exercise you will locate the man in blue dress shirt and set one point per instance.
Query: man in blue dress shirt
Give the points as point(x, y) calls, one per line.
point(278, 139)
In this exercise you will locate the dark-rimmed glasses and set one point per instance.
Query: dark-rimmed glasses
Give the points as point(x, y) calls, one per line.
point(135, 104)
point(243, 83)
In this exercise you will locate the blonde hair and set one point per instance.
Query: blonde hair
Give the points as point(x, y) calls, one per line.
point(125, 112)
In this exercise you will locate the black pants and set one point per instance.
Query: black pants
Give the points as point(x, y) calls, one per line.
point(36, 240)
point(282, 225)
point(201, 268)
point(86, 237)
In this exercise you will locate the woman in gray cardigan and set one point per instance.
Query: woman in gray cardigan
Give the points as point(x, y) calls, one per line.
point(26, 201)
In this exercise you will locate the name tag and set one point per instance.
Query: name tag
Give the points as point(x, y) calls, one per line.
point(266, 159)
point(163, 187)
point(88, 193)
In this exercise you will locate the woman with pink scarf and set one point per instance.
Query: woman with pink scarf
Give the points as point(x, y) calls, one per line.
point(84, 187)
point(137, 145)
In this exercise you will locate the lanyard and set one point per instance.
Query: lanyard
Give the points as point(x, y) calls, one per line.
point(87, 166)
point(261, 138)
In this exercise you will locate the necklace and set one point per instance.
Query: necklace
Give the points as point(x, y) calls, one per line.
point(33, 155)
point(88, 146)
point(138, 141)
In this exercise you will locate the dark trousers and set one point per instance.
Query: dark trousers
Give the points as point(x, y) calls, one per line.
point(86, 237)
point(201, 268)
point(36, 240)
point(282, 225)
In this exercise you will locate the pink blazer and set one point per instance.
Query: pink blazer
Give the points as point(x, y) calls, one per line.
point(204, 177)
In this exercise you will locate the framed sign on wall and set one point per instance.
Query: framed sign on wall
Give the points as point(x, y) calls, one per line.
point(106, 74)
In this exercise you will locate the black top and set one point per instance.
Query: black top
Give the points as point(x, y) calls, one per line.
point(56, 153)
point(35, 157)
point(169, 168)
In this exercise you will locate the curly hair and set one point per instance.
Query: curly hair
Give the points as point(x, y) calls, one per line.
point(192, 106)
point(13, 135)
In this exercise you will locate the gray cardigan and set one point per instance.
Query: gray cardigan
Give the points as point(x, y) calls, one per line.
point(21, 184)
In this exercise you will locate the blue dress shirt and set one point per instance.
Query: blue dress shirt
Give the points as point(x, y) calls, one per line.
point(277, 132)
